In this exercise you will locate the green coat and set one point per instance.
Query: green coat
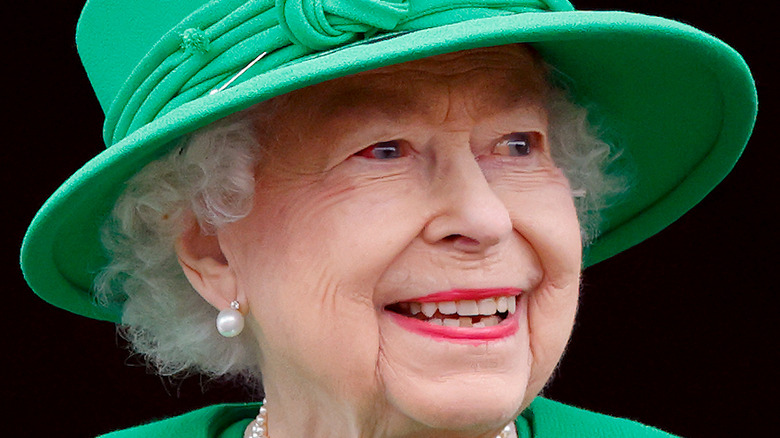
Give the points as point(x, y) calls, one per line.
point(543, 419)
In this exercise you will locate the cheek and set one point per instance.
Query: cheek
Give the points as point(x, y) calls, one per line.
point(314, 329)
point(545, 216)
point(333, 235)
point(542, 211)
point(552, 307)
point(308, 261)
point(366, 222)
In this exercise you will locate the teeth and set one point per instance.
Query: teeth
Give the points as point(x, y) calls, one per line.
point(466, 308)
point(487, 306)
point(428, 309)
point(450, 322)
point(490, 321)
point(449, 308)
point(485, 311)
point(464, 321)
point(501, 304)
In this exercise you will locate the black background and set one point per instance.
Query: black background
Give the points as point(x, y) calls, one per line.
point(676, 332)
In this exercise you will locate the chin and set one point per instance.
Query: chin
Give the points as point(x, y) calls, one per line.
point(463, 405)
point(478, 391)
point(473, 404)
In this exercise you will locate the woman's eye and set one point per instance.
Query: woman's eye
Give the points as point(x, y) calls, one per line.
point(517, 144)
point(384, 150)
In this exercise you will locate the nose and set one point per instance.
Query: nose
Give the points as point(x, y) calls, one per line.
point(468, 214)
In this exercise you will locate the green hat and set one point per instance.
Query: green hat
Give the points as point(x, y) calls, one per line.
point(681, 102)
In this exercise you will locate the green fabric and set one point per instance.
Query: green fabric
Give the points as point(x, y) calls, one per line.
point(680, 103)
point(543, 419)
point(546, 418)
point(218, 421)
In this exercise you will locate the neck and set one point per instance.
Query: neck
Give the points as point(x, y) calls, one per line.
point(298, 413)
point(260, 427)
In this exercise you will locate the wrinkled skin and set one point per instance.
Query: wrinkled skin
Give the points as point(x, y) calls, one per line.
point(338, 232)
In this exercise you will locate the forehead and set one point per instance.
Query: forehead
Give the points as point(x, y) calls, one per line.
point(491, 79)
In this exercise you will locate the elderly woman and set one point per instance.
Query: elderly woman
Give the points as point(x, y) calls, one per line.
point(379, 206)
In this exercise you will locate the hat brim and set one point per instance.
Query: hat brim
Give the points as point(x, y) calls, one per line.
point(680, 103)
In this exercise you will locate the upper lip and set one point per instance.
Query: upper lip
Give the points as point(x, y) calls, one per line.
point(466, 294)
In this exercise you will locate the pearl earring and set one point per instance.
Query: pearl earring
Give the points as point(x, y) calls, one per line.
point(230, 321)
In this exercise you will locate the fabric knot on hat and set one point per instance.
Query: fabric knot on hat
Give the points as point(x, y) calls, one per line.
point(324, 24)
point(215, 47)
point(194, 41)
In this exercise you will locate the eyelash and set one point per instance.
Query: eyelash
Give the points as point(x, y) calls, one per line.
point(384, 150)
point(516, 144)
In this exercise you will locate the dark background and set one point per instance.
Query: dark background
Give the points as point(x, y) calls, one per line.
point(676, 332)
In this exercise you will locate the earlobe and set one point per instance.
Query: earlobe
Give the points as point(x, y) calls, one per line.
point(206, 267)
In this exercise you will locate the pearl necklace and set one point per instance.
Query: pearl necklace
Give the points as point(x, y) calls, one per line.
point(259, 426)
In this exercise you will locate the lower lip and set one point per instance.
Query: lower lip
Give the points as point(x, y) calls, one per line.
point(470, 335)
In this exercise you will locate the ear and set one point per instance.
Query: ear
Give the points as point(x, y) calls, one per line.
point(206, 267)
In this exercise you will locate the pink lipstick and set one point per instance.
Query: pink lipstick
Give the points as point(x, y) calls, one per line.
point(465, 315)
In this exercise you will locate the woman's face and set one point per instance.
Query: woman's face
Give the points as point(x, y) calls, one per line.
point(381, 199)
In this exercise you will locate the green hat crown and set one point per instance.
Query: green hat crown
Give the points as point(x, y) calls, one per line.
point(220, 38)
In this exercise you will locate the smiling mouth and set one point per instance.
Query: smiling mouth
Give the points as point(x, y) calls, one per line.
point(480, 313)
